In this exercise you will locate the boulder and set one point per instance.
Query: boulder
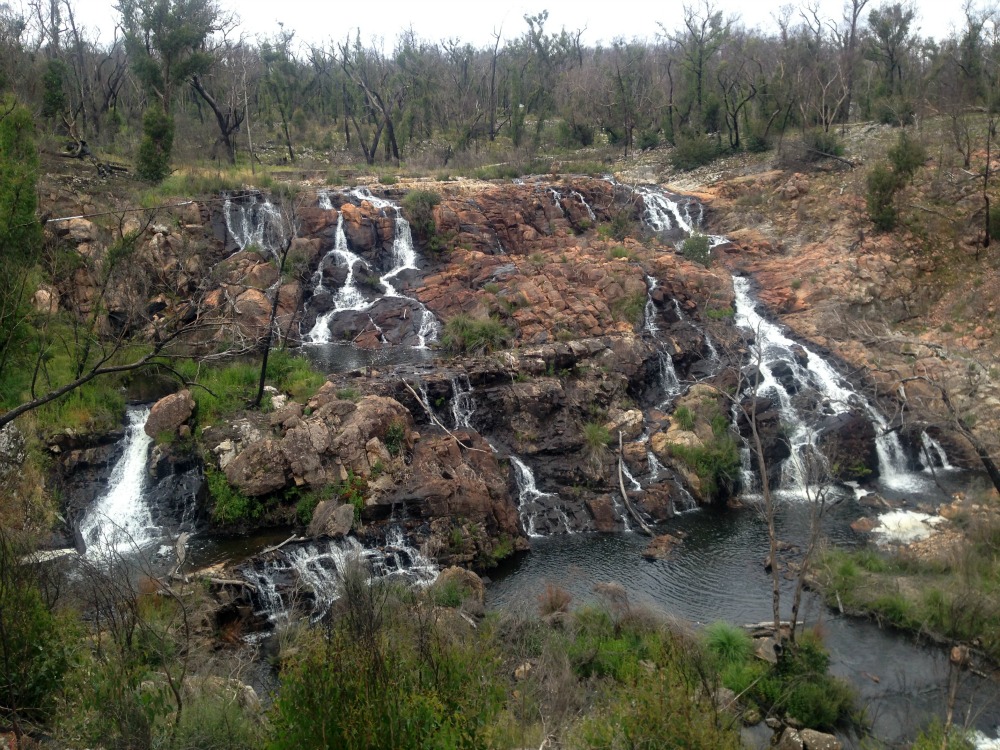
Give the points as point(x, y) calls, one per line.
point(790, 740)
point(169, 413)
point(464, 580)
point(848, 442)
point(331, 519)
point(813, 740)
point(260, 469)
point(46, 300)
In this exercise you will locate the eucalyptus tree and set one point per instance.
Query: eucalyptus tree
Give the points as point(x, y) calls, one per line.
point(378, 97)
point(283, 81)
point(889, 42)
point(166, 41)
point(705, 31)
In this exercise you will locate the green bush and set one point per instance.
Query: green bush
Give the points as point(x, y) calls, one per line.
point(596, 436)
point(575, 134)
point(464, 333)
point(685, 418)
point(880, 198)
point(648, 139)
point(728, 643)
point(630, 308)
point(691, 152)
point(821, 144)
point(229, 505)
point(418, 206)
point(906, 156)
point(698, 249)
point(717, 463)
point(395, 436)
point(153, 159)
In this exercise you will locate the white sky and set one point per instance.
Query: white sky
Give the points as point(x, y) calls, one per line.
point(473, 21)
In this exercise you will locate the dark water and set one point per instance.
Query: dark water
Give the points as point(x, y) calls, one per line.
point(342, 357)
point(717, 573)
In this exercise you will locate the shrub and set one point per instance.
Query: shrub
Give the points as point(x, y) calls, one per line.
point(648, 139)
point(629, 308)
point(395, 436)
point(907, 156)
point(697, 249)
point(821, 144)
point(717, 464)
point(691, 152)
point(684, 417)
point(596, 437)
point(229, 505)
point(554, 599)
point(418, 205)
point(575, 134)
point(153, 159)
point(728, 643)
point(464, 333)
point(880, 198)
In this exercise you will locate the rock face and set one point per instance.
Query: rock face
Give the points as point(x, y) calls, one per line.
point(339, 438)
point(169, 413)
point(848, 441)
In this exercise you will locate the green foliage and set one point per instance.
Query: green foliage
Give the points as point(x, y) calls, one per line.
point(229, 505)
point(390, 681)
point(575, 134)
point(994, 221)
point(34, 643)
point(418, 205)
point(685, 417)
point(53, 94)
point(728, 643)
point(648, 139)
point(821, 144)
point(935, 737)
point(906, 156)
point(629, 308)
point(880, 198)
point(20, 232)
point(464, 333)
point(719, 313)
point(717, 464)
point(153, 159)
point(214, 719)
point(595, 436)
point(692, 151)
point(697, 249)
point(619, 252)
point(395, 438)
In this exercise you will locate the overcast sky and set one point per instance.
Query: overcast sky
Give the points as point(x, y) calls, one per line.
point(473, 21)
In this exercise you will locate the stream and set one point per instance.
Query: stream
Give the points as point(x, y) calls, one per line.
point(716, 572)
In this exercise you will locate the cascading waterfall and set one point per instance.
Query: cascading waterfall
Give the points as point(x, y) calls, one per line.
point(313, 571)
point(663, 213)
point(556, 199)
point(583, 201)
point(532, 502)
point(669, 382)
point(773, 349)
point(463, 405)
point(120, 520)
point(254, 224)
point(349, 297)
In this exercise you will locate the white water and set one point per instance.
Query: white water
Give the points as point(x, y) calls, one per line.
point(529, 503)
point(120, 520)
point(557, 199)
point(905, 526)
point(349, 297)
point(318, 567)
point(669, 381)
point(258, 224)
point(463, 405)
point(590, 211)
point(933, 455)
point(771, 347)
point(664, 214)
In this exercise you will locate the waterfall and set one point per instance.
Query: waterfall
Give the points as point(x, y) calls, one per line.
point(933, 455)
point(662, 213)
point(669, 381)
point(349, 298)
point(772, 350)
point(313, 571)
point(557, 199)
point(463, 405)
point(532, 503)
point(590, 211)
point(120, 520)
point(258, 224)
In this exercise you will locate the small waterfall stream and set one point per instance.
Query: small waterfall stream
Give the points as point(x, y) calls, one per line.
point(120, 520)
point(253, 221)
point(307, 576)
